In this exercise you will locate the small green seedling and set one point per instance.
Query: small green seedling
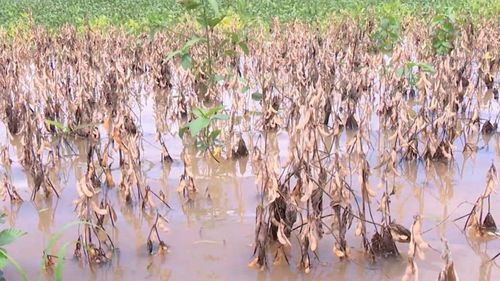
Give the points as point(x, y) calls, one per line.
point(201, 128)
point(7, 236)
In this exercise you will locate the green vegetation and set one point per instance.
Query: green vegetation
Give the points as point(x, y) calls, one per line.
point(7, 236)
point(201, 127)
point(208, 15)
point(387, 34)
point(58, 268)
point(154, 14)
point(444, 34)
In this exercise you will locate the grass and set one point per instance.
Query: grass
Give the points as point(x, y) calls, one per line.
point(154, 14)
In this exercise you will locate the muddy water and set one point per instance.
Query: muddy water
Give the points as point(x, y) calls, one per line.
point(212, 238)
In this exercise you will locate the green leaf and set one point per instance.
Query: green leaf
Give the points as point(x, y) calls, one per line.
point(242, 80)
point(185, 48)
point(201, 146)
point(234, 37)
point(214, 110)
point(244, 89)
point(186, 62)
point(60, 262)
point(243, 47)
point(437, 20)
point(229, 52)
point(447, 45)
point(9, 235)
point(57, 124)
point(182, 131)
point(214, 134)
point(427, 67)
point(197, 125)
point(3, 261)
point(173, 54)
point(191, 42)
point(215, 6)
point(218, 78)
point(400, 71)
point(18, 267)
point(54, 237)
point(190, 4)
point(200, 112)
point(213, 21)
point(202, 21)
point(411, 64)
point(221, 116)
point(257, 96)
point(448, 27)
point(84, 126)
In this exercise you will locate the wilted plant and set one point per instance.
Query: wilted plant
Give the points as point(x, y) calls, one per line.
point(316, 89)
point(416, 249)
point(6, 186)
point(448, 272)
point(186, 183)
point(93, 239)
point(478, 224)
point(154, 235)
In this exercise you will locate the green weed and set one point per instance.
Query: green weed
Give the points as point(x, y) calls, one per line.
point(7, 236)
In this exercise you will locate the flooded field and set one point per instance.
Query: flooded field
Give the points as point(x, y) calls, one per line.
point(318, 163)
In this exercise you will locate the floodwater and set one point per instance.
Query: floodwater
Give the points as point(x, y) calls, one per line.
point(212, 239)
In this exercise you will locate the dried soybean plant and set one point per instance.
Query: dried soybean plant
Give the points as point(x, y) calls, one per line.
point(85, 84)
point(478, 224)
point(93, 239)
point(448, 272)
point(6, 186)
point(416, 249)
point(82, 93)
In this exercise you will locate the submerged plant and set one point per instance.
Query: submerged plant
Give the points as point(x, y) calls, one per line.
point(448, 272)
point(477, 223)
point(154, 235)
point(416, 249)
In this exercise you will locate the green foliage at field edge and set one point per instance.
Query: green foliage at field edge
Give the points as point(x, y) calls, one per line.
point(140, 15)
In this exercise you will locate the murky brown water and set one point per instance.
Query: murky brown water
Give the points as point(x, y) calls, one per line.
point(212, 239)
